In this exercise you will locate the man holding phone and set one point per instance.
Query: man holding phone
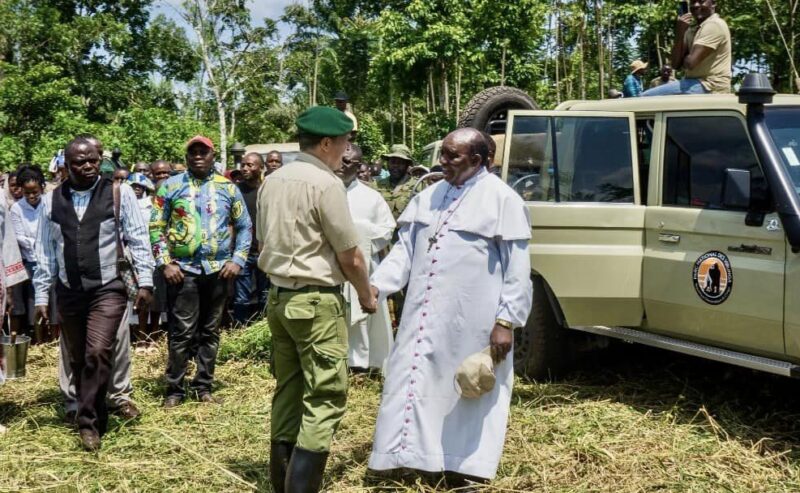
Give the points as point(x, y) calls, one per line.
point(702, 49)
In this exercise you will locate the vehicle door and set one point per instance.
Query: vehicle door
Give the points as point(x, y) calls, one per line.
point(708, 275)
point(578, 173)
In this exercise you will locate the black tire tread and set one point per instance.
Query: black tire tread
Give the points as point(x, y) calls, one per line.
point(479, 101)
point(546, 353)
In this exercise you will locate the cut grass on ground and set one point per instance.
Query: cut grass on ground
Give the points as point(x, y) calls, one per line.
point(633, 419)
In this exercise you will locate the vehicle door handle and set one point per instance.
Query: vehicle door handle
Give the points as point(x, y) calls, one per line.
point(669, 238)
point(758, 250)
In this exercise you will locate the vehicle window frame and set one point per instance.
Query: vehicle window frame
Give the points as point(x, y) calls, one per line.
point(551, 115)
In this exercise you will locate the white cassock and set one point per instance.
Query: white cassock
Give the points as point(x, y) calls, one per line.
point(369, 336)
point(478, 270)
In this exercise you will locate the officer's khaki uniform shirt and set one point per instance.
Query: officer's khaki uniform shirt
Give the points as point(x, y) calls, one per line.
point(303, 221)
point(714, 71)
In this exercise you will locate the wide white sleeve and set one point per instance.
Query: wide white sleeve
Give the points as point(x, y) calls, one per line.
point(517, 292)
point(392, 274)
point(383, 225)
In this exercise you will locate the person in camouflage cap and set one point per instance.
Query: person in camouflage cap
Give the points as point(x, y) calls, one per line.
point(398, 186)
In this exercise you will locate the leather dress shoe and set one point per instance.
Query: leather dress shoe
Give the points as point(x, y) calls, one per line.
point(172, 401)
point(127, 410)
point(90, 440)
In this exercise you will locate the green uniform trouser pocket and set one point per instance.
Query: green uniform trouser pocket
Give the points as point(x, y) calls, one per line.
point(329, 373)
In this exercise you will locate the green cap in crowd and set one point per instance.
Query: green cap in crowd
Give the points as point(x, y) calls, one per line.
point(324, 121)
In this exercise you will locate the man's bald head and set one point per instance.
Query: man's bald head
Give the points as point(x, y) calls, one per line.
point(464, 151)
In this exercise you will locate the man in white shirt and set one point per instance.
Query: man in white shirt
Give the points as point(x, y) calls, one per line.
point(369, 336)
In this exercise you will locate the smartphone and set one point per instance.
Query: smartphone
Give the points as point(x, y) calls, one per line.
point(683, 7)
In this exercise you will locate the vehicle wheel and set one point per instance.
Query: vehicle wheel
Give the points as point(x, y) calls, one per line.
point(493, 104)
point(541, 347)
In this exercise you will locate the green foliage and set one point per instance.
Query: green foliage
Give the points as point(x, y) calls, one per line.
point(254, 343)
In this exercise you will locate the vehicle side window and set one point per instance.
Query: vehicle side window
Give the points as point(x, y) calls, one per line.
point(593, 162)
point(697, 152)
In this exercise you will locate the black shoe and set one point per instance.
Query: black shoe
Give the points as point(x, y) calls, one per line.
point(280, 454)
point(305, 471)
point(127, 410)
point(90, 440)
point(172, 401)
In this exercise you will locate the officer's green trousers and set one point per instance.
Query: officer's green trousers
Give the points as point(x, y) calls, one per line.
point(309, 344)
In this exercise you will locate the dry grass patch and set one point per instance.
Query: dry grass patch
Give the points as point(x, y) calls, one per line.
point(647, 422)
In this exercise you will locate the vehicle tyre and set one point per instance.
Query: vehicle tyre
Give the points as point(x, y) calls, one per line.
point(493, 104)
point(541, 348)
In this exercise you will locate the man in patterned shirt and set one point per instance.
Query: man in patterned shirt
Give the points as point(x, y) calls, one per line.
point(191, 228)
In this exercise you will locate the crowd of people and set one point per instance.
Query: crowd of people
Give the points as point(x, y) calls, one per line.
point(102, 252)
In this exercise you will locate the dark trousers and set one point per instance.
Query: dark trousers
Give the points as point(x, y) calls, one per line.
point(89, 321)
point(250, 280)
point(195, 312)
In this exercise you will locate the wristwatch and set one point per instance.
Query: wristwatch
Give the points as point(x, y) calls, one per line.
point(504, 323)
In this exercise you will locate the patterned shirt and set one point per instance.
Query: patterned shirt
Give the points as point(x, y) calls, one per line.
point(194, 220)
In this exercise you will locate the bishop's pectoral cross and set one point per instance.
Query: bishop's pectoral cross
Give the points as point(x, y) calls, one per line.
point(432, 241)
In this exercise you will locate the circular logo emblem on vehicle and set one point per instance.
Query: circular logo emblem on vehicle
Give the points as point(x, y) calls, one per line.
point(713, 277)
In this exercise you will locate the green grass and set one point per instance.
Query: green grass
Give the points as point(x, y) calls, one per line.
point(630, 420)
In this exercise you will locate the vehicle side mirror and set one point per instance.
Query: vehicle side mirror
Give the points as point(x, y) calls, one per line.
point(736, 189)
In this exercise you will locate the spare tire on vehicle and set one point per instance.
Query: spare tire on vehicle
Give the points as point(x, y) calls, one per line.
point(493, 104)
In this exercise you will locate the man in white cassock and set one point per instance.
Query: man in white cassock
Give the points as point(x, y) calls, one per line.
point(369, 336)
point(463, 252)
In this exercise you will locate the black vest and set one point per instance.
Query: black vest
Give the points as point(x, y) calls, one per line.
point(88, 258)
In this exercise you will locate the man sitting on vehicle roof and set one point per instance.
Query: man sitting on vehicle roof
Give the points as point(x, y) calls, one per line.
point(703, 50)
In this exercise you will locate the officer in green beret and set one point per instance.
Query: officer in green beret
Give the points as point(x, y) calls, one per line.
point(308, 250)
point(398, 186)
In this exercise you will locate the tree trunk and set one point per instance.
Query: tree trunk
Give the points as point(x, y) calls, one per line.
point(503, 66)
point(458, 91)
point(433, 89)
point(600, 55)
point(404, 122)
point(316, 77)
point(445, 90)
point(582, 66)
point(411, 122)
point(558, 51)
point(223, 133)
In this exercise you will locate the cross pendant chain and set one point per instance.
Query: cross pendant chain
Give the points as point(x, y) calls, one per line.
point(432, 241)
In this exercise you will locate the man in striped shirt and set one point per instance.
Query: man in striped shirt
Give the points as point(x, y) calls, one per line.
point(77, 250)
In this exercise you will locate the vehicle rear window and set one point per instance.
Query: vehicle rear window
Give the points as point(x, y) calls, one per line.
point(698, 150)
point(592, 162)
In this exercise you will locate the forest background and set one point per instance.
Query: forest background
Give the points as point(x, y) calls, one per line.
point(144, 82)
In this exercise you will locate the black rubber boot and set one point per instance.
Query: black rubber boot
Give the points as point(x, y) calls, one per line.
point(305, 471)
point(280, 454)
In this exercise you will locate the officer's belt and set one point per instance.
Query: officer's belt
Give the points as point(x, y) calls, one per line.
point(311, 289)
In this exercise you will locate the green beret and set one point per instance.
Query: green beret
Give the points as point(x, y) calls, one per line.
point(324, 121)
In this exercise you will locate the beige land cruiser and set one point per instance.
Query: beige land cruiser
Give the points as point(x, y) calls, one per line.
point(671, 221)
